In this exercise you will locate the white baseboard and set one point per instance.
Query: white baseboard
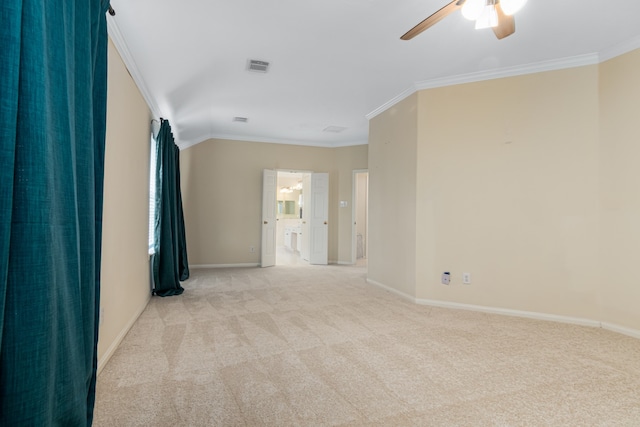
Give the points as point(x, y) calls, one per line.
point(510, 312)
point(123, 333)
point(621, 330)
point(392, 290)
point(201, 266)
point(515, 313)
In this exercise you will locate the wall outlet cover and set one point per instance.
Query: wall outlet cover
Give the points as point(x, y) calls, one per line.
point(446, 278)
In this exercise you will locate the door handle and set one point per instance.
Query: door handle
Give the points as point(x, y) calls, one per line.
point(325, 223)
point(266, 222)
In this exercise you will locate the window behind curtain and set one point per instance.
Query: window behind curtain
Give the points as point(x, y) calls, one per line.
point(152, 192)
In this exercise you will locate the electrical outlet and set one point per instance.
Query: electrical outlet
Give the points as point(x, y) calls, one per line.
point(466, 278)
point(252, 249)
point(446, 278)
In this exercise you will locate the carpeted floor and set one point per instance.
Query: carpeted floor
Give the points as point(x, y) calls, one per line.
point(317, 346)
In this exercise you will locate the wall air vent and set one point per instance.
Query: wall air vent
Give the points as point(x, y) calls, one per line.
point(334, 129)
point(257, 66)
point(240, 119)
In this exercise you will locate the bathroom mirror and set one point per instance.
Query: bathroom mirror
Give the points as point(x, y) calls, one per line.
point(286, 208)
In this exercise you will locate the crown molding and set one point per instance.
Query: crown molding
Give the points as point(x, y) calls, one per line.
point(130, 64)
point(620, 49)
point(248, 138)
point(537, 67)
point(393, 101)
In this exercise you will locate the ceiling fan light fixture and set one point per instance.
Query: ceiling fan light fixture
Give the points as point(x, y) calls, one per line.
point(488, 19)
point(509, 7)
point(472, 9)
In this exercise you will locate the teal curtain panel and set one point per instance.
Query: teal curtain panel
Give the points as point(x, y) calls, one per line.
point(53, 76)
point(169, 261)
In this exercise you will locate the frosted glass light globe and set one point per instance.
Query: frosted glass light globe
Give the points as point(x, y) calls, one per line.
point(509, 7)
point(472, 9)
point(488, 19)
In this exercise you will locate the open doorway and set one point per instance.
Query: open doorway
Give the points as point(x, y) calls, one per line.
point(306, 219)
point(291, 242)
point(360, 217)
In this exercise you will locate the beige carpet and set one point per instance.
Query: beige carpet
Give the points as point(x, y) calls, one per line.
point(317, 346)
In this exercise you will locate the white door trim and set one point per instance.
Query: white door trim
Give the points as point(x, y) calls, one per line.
point(354, 203)
point(268, 243)
point(319, 218)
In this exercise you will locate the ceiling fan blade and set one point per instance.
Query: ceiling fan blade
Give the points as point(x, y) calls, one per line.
point(506, 24)
point(433, 19)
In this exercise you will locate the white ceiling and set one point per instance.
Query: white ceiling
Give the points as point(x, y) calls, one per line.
point(336, 62)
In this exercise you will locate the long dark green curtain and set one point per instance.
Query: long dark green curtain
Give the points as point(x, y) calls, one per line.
point(170, 264)
point(53, 59)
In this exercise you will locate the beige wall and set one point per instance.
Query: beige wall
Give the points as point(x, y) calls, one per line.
point(125, 288)
point(528, 183)
point(347, 159)
point(508, 191)
point(620, 189)
point(222, 195)
point(392, 196)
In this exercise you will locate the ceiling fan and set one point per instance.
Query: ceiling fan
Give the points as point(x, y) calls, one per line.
point(495, 14)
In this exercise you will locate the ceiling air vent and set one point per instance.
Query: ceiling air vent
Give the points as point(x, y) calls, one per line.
point(240, 119)
point(257, 66)
point(334, 129)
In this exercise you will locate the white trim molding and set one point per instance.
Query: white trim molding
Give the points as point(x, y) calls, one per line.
point(499, 73)
point(634, 333)
point(621, 330)
point(130, 63)
point(393, 101)
point(519, 70)
point(183, 144)
point(203, 266)
point(123, 333)
point(392, 290)
point(510, 312)
point(619, 49)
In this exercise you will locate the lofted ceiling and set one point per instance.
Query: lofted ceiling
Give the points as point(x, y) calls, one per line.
point(336, 63)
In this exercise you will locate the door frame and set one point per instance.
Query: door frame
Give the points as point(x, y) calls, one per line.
point(303, 172)
point(268, 225)
point(319, 218)
point(354, 212)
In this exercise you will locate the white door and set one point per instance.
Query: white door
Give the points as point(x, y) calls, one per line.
point(360, 215)
point(268, 247)
point(306, 206)
point(319, 219)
